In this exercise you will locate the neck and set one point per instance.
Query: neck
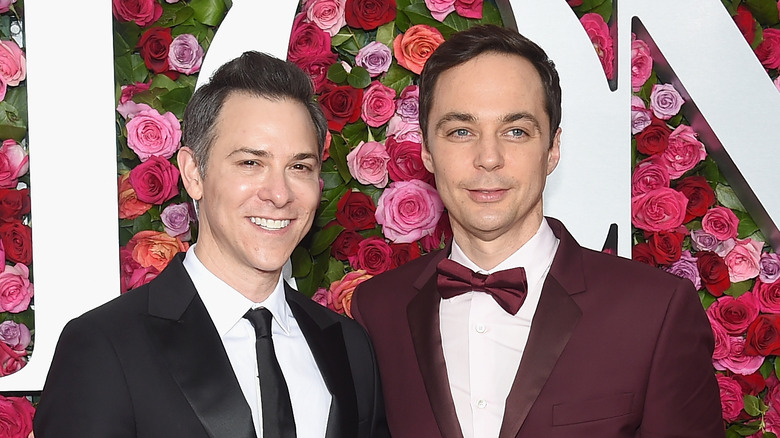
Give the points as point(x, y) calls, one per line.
point(255, 285)
point(488, 251)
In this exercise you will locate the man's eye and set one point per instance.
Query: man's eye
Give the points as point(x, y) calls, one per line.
point(300, 166)
point(460, 132)
point(516, 132)
point(249, 163)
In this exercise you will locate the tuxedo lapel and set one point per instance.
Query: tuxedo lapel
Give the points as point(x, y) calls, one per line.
point(423, 315)
point(324, 335)
point(182, 332)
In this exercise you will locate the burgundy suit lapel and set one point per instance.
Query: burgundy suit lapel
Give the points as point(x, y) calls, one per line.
point(423, 315)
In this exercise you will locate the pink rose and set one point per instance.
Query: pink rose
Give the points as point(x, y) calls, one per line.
point(373, 255)
point(142, 12)
point(734, 314)
point(375, 57)
point(150, 133)
point(770, 267)
point(440, 8)
point(737, 361)
point(408, 210)
point(768, 296)
point(598, 32)
point(317, 69)
point(469, 8)
point(722, 341)
point(128, 91)
point(341, 291)
point(132, 274)
point(10, 362)
point(660, 209)
point(13, 66)
point(17, 336)
point(641, 63)
point(640, 116)
point(404, 130)
point(683, 151)
point(321, 297)
point(155, 180)
point(408, 104)
point(13, 164)
point(721, 222)
point(378, 104)
point(185, 55)
point(176, 220)
point(307, 41)
point(5, 5)
point(649, 174)
point(129, 109)
point(777, 79)
point(665, 101)
point(16, 417)
point(768, 51)
point(15, 288)
point(731, 400)
point(406, 161)
point(368, 163)
point(743, 259)
point(328, 15)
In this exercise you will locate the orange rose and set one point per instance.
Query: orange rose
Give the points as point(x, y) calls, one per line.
point(129, 205)
point(341, 291)
point(154, 248)
point(413, 48)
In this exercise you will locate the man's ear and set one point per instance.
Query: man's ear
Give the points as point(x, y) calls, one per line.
point(190, 173)
point(554, 153)
point(427, 159)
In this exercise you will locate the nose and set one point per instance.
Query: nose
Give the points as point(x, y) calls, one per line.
point(276, 189)
point(490, 154)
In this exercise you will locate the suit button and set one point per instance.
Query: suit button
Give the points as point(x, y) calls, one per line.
point(482, 404)
point(480, 328)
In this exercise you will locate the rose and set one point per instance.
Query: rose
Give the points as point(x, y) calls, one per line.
point(176, 220)
point(13, 66)
point(132, 274)
point(751, 384)
point(469, 8)
point(665, 101)
point(574, 3)
point(154, 45)
point(768, 51)
point(722, 342)
point(15, 288)
point(5, 5)
point(441, 233)
point(768, 296)
point(654, 138)
point(328, 15)
point(16, 417)
point(129, 205)
point(403, 253)
point(368, 163)
point(150, 133)
point(129, 109)
point(745, 23)
point(641, 63)
point(10, 362)
point(185, 55)
point(378, 104)
point(413, 47)
point(307, 41)
point(440, 8)
point(369, 14)
point(700, 196)
point(341, 291)
point(17, 336)
point(640, 116)
point(17, 240)
point(769, 265)
point(317, 69)
point(763, 336)
point(641, 252)
point(355, 211)
point(738, 361)
point(408, 210)
point(683, 151)
point(666, 246)
point(721, 222)
point(321, 297)
point(14, 163)
point(598, 32)
point(375, 57)
point(649, 174)
point(14, 204)
point(777, 79)
point(703, 241)
point(408, 104)
point(142, 12)
point(128, 91)
point(155, 180)
point(658, 210)
point(742, 260)
point(734, 314)
point(686, 267)
point(404, 130)
point(341, 105)
point(714, 272)
point(373, 256)
point(406, 161)
point(731, 400)
point(346, 245)
point(154, 248)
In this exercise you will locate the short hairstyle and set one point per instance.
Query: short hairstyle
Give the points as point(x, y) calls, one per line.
point(256, 74)
point(468, 44)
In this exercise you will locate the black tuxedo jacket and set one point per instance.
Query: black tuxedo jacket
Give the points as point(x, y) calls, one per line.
point(616, 349)
point(151, 364)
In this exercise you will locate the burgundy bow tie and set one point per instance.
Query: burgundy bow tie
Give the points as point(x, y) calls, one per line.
point(507, 287)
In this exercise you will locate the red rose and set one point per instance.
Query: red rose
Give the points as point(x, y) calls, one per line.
point(406, 162)
point(574, 3)
point(746, 23)
point(17, 240)
point(713, 271)
point(751, 384)
point(734, 314)
point(665, 246)
point(345, 245)
point(317, 69)
point(642, 252)
point(355, 211)
point(763, 336)
point(700, 196)
point(341, 105)
point(155, 180)
point(154, 45)
point(404, 252)
point(13, 204)
point(654, 138)
point(373, 256)
point(307, 41)
point(16, 417)
point(142, 12)
point(369, 14)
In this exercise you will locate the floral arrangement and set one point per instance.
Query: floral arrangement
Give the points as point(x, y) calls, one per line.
point(689, 222)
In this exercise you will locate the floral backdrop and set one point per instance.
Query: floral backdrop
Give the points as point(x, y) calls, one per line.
point(379, 206)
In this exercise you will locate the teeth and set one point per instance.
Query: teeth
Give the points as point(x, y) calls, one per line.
point(270, 224)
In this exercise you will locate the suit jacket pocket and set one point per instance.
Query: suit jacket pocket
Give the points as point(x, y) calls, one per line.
point(592, 409)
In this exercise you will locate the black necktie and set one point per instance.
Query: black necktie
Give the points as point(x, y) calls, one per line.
point(278, 421)
point(507, 287)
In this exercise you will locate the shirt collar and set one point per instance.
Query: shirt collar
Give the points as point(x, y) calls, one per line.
point(227, 306)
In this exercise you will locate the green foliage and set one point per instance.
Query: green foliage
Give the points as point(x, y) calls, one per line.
point(358, 77)
point(12, 122)
point(764, 11)
point(209, 12)
point(397, 78)
point(739, 288)
point(727, 198)
point(601, 7)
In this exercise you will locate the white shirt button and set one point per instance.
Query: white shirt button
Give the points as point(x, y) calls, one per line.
point(482, 404)
point(480, 328)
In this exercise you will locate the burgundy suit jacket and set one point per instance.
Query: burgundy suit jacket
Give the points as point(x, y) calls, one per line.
point(616, 349)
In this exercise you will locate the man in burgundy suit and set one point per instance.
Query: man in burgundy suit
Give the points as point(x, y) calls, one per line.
point(576, 344)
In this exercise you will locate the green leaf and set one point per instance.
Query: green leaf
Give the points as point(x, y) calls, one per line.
point(327, 212)
point(751, 405)
point(324, 238)
point(17, 97)
point(601, 7)
point(491, 15)
point(141, 223)
point(354, 133)
point(766, 370)
point(344, 35)
point(12, 125)
point(385, 34)
point(746, 225)
point(419, 14)
point(743, 430)
point(176, 100)
point(359, 77)
point(338, 152)
point(130, 69)
point(336, 271)
point(397, 78)
point(208, 12)
point(709, 170)
point(357, 40)
point(768, 435)
point(330, 176)
point(739, 288)
point(174, 14)
point(764, 11)
point(301, 262)
point(706, 299)
point(727, 198)
point(337, 73)
point(164, 82)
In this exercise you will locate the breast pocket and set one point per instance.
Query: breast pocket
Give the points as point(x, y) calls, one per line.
point(592, 409)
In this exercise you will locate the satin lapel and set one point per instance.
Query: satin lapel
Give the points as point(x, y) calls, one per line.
point(423, 315)
point(554, 321)
point(182, 332)
point(326, 340)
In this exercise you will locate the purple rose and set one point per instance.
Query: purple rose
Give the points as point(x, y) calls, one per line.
point(686, 268)
point(368, 163)
point(185, 55)
point(408, 104)
point(665, 101)
point(374, 57)
point(703, 241)
point(176, 220)
point(769, 266)
point(640, 115)
point(408, 210)
point(17, 336)
point(150, 133)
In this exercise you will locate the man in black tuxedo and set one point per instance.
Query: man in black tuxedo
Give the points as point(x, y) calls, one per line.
point(176, 357)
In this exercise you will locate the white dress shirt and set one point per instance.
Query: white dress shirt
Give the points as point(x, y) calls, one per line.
point(226, 307)
point(483, 344)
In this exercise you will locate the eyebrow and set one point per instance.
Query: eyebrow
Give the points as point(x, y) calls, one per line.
point(265, 154)
point(454, 117)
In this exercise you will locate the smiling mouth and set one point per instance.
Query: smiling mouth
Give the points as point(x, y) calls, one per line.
point(270, 224)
